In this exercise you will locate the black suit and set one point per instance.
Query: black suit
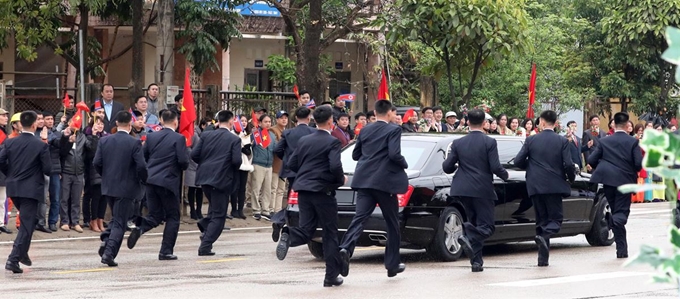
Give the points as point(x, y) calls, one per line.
point(588, 136)
point(616, 161)
point(576, 148)
point(110, 120)
point(547, 160)
point(287, 145)
point(317, 160)
point(166, 157)
point(25, 160)
point(218, 154)
point(120, 162)
point(378, 178)
point(477, 155)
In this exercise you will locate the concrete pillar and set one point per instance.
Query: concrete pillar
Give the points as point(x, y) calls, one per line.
point(226, 69)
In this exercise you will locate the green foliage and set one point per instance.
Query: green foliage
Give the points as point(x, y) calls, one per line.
point(31, 23)
point(672, 54)
point(283, 70)
point(204, 26)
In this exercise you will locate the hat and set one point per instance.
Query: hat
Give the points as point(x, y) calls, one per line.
point(281, 113)
point(3, 111)
point(258, 109)
point(488, 117)
point(451, 113)
point(16, 117)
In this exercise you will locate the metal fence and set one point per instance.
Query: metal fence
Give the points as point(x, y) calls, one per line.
point(243, 102)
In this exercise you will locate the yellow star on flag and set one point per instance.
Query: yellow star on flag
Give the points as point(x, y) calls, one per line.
point(264, 137)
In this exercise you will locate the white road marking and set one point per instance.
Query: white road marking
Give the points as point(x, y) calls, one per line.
point(633, 213)
point(569, 279)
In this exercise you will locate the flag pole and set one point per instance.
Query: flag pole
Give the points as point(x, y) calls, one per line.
point(387, 69)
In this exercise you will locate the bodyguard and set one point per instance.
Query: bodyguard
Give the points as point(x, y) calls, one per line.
point(616, 161)
point(218, 154)
point(166, 156)
point(120, 162)
point(25, 160)
point(547, 160)
point(477, 155)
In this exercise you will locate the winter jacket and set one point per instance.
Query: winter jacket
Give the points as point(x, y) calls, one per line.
point(73, 159)
point(264, 156)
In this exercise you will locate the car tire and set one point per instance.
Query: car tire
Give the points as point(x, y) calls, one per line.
point(444, 246)
point(600, 234)
point(316, 249)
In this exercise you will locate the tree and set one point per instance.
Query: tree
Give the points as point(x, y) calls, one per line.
point(283, 70)
point(306, 21)
point(466, 35)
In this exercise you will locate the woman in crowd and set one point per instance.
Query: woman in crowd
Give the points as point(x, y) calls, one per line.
point(98, 203)
point(503, 125)
point(631, 128)
point(263, 158)
point(238, 198)
point(611, 128)
point(514, 127)
point(493, 127)
point(528, 128)
point(194, 192)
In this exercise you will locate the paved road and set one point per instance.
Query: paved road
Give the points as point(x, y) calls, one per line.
point(246, 267)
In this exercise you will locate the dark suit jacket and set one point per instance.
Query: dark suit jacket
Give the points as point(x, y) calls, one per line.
point(380, 164)
point(166, 156)
point(25, 160)
point(617, 160)
point(576, 149)
point(477, 155)
point(120, 162)
point(547, 160)
point(110, 120)
point(588, 136)
point(218, 154)
point(317, 162)
point(287, 145)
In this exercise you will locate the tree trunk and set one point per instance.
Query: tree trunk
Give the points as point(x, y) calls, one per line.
point(137, 78)
point(450, 78)
point(83, 26)
point(427, 91)
point(164, 47)
point(308, 72)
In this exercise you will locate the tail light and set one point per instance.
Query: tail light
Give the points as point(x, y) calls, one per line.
point(292, 197)
point(403, 199)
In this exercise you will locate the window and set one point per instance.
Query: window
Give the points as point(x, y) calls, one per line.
point(256, 80)
point(416, 154)
point(508, 149)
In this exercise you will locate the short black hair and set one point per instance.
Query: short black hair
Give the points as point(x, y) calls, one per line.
point(621, 118)
point(179, 97)
point(224, 116)
point(38, 112)
point(105, 85)
point(28, 118)
point(160, 113)
point(425, 109)
point(370, 114)
point(47, 113)
point(382, 107)
point(123, 117)
point(263, 116)
point(303, 92)
point(358, 115)
point(343, 115)
point(139, 97)
point(168, 116)
point(302, 112)
point(571, 122)
point(592, 117)
point(327, 103)
point(137, 113)
point(549, 116)
point(476, 117)
point(322, 114)
point(437, 108)
point(152, 84)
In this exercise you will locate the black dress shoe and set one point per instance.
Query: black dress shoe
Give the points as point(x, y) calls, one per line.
point(6, 230)
point(106, 260)
point(543, 251)
point(86, 224)
point(282, 248)
point(26, 261)
point(102, 248)
point(477, 267)
point(465, 245)
point(276, 232)
point(43, 229)
point(344, 259)
point(623, 255)
point(134, 237)
point(14, 267)
point(53, 227)
point(241, 215)
point(206, 253)
point(230, 217)
point(332, 282)
point(394, 272)
point(167, 257)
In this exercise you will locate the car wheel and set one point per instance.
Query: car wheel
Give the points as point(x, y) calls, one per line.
point(445, 245)
point(600, 234)
point(316, 249)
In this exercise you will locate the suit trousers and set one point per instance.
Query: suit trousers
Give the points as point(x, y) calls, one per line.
point(163, 205)
point(319, 209)
point(238, 197)
point(479, 225)
point(3, 206)
point(54, 194)
point(278, 188)
point(121, 210)
point(366, 202)
point(71, 190)
point(28, 208)
point(620, 206)
point(548, 210)
point(42, 205)
point(213, 224)
point(262, 190)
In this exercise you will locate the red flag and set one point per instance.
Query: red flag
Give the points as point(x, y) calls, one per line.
point(254, 120)
point(77, 120)
point(265, 138)
point(188, 116)
point(97, 105)
point(238, 127)
point(348, 97)
point(410, 113)
point(532, 92)
point(82, 107)
point(358, 128)
point(296, 91)
point(383, 91)
point(3, 136)
point(66, 101)
point(257, 135)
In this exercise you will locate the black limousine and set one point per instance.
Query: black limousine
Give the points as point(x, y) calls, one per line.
point(432, 220)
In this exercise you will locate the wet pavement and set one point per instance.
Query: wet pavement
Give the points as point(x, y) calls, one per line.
point(246, 267)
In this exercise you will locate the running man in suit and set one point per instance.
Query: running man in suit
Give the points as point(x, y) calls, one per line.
point(25, 160)
point(616, 161)
point(120, 162)
point(218, 154)
point(378, 150)
point(317, 160)
point(477, 155)
point(166, 156)
point(547, 159)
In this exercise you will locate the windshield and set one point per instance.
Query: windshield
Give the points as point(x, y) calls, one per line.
point(415, 153)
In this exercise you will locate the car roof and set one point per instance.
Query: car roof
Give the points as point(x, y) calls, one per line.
point(448, 137)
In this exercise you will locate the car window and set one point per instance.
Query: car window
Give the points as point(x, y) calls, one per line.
point(415, 153)
point(508, 149)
